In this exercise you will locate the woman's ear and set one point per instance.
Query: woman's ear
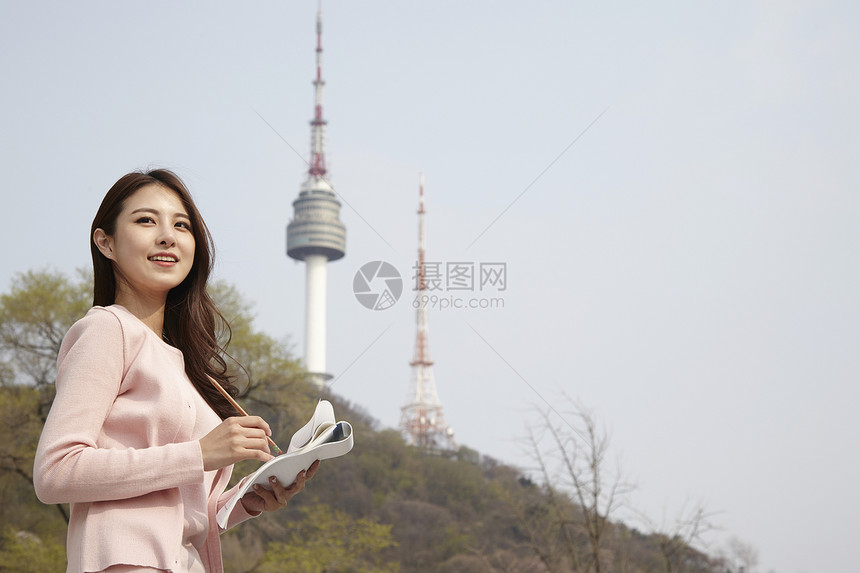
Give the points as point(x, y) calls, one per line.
point(103, 242)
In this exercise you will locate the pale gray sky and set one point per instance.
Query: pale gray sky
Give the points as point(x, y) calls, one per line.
point(688, 268)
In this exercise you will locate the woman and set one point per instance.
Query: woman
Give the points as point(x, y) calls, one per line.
point(138, 440)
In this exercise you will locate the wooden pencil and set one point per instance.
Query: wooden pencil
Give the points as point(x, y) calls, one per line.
point(242, 411)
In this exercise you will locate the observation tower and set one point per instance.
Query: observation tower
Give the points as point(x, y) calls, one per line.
point(421, 419)
point(316, 235)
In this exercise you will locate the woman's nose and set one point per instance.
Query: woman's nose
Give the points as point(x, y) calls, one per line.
point(167, 237)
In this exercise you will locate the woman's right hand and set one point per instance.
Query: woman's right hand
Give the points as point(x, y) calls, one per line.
point(236, 439)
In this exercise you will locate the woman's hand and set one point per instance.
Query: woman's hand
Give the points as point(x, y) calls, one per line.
point(262, 499)
point(236, 439)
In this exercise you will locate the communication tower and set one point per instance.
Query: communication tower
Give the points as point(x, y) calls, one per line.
point(316, 235)
point(421, 419)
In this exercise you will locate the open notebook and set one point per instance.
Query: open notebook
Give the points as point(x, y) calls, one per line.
point(322, 438)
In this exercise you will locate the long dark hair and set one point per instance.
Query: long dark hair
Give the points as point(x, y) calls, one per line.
point(190, 316)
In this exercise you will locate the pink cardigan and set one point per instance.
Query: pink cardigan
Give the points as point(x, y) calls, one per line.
point(120, 445)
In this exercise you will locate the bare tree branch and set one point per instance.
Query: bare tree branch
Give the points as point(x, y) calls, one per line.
point(579, 452)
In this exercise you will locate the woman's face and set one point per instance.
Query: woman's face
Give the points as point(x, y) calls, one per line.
point(153, 245)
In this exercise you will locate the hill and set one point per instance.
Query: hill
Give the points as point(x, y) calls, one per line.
point(455, 511)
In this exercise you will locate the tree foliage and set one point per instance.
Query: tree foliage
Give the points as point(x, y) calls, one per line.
point(326, 539)
point(24, 552)
point(34, 317)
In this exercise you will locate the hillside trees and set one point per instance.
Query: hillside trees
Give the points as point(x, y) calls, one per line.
point(676, 542)
point(34, 316)
point(570, 451)
point(25, 552)
point(738, 557)
point(327, 539)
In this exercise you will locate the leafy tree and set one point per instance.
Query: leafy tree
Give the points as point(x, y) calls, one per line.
point(327, 540)
point(34, 317)
point(24, 552)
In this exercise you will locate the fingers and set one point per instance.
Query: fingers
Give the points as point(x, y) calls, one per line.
point(274, 498)
point(246, 438)
point(269, 497)
point(256, 431)
point(253, 422)
point(236, 439)
point(300, 482)
point(278, 496)
point(312, 470)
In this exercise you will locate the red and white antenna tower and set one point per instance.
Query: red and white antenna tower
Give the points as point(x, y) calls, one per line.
point(317, 163)
point(421, 419)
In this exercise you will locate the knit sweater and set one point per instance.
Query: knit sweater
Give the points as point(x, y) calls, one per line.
point(121, 446)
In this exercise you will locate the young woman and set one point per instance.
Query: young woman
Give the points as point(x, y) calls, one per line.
point(138, 440)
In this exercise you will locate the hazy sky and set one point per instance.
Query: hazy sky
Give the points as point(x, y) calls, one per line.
point(688, 268)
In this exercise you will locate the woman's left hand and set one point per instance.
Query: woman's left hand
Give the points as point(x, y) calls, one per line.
point(262, 499)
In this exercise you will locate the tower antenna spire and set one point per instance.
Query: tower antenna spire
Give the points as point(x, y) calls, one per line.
point(317, 163)
point(421, 419)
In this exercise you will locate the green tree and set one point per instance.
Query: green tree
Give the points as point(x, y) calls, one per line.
point(24, 552)
point(330, 541)
point(34, 316)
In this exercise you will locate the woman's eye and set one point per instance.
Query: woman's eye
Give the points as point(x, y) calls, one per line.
point(145, 220)
point(184, 225)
